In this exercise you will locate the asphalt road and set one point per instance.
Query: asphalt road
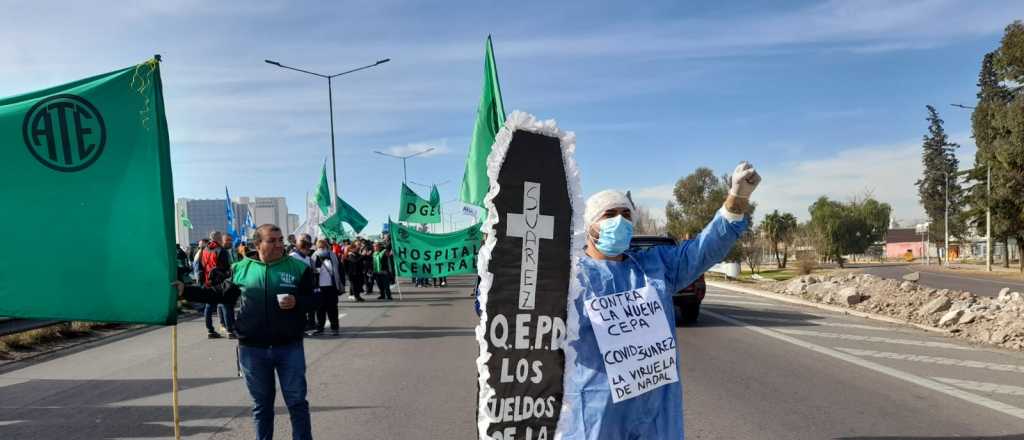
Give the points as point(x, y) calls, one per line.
point(978, 285)
point(752, 369)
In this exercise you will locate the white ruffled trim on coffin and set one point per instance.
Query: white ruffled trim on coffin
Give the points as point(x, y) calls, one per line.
point(523, 121)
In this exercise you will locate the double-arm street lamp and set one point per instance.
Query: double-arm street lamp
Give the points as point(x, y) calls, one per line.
point(330, 100)
point(405, 177)
point(432, 184)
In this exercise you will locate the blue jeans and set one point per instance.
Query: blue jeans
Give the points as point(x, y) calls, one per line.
point(226, 314)
point(258, 366)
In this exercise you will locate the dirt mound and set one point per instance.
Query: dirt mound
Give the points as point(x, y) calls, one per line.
point(998, 321)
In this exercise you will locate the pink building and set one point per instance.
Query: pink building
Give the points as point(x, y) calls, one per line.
point(899, 241)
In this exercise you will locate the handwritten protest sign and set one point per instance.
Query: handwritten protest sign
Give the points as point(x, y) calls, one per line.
point(636, 342)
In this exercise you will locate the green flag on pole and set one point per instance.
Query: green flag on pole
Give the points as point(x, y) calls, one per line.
point(346, 214)
point(415, 209)
point(490, 116)
point(90, 161)
point(421, 254)
point(335, 230)
point(323, 192)
point(185, 221)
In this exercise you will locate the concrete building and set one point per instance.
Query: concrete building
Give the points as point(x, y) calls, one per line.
point(209, 215)
point(206, 215)
point(293, 223)
point(268, 210)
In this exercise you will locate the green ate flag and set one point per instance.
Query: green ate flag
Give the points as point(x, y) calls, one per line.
point(88, 162)
point(185, 220)
point(346, 214)
point(490, 116)
point(421, 254)
point(323, 192)
point(415, 209)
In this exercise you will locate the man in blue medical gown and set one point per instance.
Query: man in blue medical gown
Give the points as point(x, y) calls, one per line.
point(609, 268)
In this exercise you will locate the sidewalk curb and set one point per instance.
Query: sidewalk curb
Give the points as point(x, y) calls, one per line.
point(831, 308)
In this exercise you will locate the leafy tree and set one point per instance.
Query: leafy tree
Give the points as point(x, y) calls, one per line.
point(993, 97)
point(939, 181)
point(998, 128)
point(848, 228)
point(698, 197)
point(779, 229)
point(1007, 152)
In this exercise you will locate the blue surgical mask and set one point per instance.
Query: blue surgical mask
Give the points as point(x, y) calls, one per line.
point(614, 236)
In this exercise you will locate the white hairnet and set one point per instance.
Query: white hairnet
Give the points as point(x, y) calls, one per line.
point(598, 203)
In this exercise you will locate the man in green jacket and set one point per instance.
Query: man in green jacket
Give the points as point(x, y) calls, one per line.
point(274, 294)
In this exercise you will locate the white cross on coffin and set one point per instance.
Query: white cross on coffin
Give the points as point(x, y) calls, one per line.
point(531, 227)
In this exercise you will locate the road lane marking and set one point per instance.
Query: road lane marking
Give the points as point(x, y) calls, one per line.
point(874, 339)
point(933, 360)
point(811, 322)
point(739, 303)
point(914, 379)
point(986, 387)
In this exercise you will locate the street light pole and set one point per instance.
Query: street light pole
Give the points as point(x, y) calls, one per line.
point(330, 102)
point(334, 165)
point(988, 207)
point(945, 245)
point(405, 176)
point(988, 220)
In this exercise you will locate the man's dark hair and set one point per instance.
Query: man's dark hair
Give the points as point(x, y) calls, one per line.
point(257, 236)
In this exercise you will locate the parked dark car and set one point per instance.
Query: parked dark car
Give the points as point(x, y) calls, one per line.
point(687, 300)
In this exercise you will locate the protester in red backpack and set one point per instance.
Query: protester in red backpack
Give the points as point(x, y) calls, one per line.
point(216, 263)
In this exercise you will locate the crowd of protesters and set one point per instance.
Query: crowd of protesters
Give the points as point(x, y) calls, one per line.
point(360, 265)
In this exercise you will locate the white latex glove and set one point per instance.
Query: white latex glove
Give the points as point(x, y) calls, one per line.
point(744, 180)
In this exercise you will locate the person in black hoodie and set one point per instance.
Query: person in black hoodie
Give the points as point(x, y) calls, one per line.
point(356, 269)
point(274, 292)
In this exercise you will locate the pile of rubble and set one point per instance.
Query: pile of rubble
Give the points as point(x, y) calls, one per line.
point(998, 321)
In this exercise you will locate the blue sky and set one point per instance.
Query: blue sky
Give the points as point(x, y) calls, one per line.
point(825, 98)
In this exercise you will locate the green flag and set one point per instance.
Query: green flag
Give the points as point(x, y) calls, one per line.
point(334, 230)
point(185, 221)
point(323, 192)
point(490, 116)
point(346, 214)
point(415, 209)
point(90, 161)
point(421, 254)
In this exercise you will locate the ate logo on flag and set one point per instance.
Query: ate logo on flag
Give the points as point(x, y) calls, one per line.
point(64, 132)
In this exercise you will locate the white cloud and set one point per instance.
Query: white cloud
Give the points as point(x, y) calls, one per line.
point(888, 172)
point(659, 193)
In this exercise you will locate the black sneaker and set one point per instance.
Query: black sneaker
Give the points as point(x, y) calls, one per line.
point(335, 332)
point(317, 332)
point(232, 335)
point(213, 335)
